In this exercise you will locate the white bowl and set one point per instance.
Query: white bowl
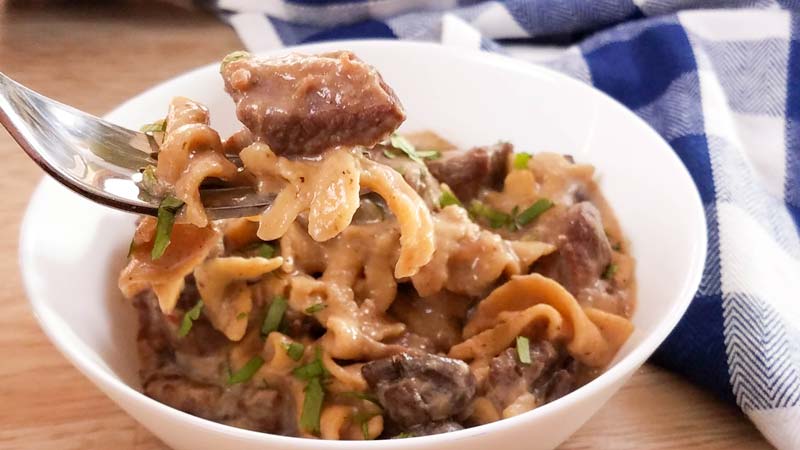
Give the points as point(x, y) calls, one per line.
point(71, 250)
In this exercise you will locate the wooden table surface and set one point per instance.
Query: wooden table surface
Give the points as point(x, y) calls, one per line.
point(94, 57)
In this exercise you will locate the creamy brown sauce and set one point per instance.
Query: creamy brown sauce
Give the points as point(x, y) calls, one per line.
point(358, 306)
point(374, 315)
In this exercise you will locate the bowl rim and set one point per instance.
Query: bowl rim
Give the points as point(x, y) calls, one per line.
point(106, 381)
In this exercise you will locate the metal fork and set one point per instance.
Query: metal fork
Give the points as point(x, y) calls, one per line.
point(97, 159)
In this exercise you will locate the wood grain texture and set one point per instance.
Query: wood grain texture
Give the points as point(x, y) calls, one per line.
point(94, 57)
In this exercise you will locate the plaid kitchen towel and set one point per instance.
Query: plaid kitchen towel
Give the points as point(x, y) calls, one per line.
point(720, 81)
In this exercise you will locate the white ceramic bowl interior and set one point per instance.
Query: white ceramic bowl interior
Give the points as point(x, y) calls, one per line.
point(71, 250)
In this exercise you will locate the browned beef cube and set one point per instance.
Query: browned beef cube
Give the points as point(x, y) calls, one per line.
point(466, 172)
point(416, 389)
point(302, 105)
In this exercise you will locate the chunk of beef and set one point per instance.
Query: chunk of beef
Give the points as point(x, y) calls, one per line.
point(562, 382)
point(259, 409)
point(509, 378)
point(302, 105)
point(417, 389)
point(466, 172)
point(188, 373)
point(428, 429)
point(298, 325)
point(185, 395)
point(438, 318)
point(162, 351)
point(583, 249)
point(392, 430)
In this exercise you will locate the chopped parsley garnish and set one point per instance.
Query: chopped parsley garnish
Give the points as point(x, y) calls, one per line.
point(617, 247)
point(159, 126)
point(189, 317)
point(312, 406)
point(149, 181)
point(448, 198)
point(314, 373)
point(402, 144)
point(365, 429)
point(362, 418)
point(314, 369)
point(247, 371)
point(532, 212)
point(235, 56)
point(274, 315)
point(515, 220)
point(241, 315)
point(429, 154)
point(403, 435)
point(611, 269)
point(295, 350)
point(315, 308)
point(166, 218)
point(362, 396)
point(497, 219)
point(523, 350)
point(521, 161)
point(265, 250)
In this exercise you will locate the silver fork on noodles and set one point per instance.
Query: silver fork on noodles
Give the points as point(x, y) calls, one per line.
point(97, 159)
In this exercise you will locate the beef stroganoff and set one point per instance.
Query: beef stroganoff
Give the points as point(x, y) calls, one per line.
point(397, 286)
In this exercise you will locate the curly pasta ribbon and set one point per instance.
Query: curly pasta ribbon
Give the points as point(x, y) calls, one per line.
point(190, 153)
point(227, 298)
point(189, 246)
point(329, 190)
point(513, 308)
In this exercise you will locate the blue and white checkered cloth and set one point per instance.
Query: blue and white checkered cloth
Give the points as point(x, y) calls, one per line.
point(721, 85)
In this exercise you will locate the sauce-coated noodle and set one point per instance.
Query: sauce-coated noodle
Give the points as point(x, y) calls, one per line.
point(368, 301)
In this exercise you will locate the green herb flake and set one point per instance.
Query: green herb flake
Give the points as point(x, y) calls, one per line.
point(159, 126)
point(314, 369)
point(523, 350)
point(362, 396)
point(242, 315)
point(402, 144)
point(189, 317)
point(362, 418)
point(365, 429)
point(312, 406)
point(617, 247)
point(429, 154)
point(247, 371)
point(295, 350)
point(265, 250)
point(521, 161)
point(403, 435)
point(532, 212)
point(391, 154)
point(497, 219)
point(315, 308)
point(448, 198)
point(512, 224)
point(166, 219)
point(611, 269)
point(149, 181)
point(274, 315)
point(234, 56)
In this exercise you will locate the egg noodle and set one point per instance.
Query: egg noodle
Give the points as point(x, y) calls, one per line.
point(528, 286)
